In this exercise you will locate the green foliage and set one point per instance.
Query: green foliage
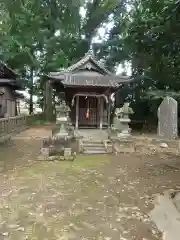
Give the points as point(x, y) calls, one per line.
point(41, 36)
point(148, 36)
point(37, 119)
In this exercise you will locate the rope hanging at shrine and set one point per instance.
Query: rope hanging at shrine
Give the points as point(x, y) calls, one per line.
point(88, 110)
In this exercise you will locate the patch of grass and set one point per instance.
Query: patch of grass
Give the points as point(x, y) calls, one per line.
point(90, 161)
point(36, 120)
point(48, 169)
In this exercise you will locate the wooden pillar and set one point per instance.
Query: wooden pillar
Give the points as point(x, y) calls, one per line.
point(98, 111)
point(77, 112)
point(101, 113)
point(109, 112)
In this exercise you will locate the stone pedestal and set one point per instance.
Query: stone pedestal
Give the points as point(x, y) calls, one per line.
point(123, 145)
point(62, 130)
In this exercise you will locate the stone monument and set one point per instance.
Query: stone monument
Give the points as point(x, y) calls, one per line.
point(124, 120)
point(168, 118)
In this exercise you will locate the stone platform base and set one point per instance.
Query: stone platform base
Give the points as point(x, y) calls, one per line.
point(123, 145)
point(57, 148)
point(57, 158)
point(144, 145)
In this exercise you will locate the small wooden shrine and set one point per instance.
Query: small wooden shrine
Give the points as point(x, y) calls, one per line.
point(87, 86)
point(8, 94)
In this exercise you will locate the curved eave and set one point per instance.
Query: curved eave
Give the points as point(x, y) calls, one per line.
point(11, 82)
point(87, 81)
point(10, 69)
point(90, 86)
point(54, 77)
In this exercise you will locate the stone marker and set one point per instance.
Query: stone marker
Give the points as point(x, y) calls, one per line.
point(167, 119)
point(67, 152)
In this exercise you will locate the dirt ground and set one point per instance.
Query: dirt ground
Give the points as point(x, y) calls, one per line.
point(94, 197)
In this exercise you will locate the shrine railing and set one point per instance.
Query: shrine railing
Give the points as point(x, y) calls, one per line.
point(11, 125)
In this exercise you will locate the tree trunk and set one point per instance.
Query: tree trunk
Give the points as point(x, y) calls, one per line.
point(48, 102)
point(31, 90)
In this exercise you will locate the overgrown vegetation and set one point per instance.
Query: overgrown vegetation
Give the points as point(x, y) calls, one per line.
point(40, 36)
point(35, 120)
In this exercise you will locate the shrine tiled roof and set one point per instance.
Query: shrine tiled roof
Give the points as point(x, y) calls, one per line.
point(88, 72)
point(9, 77)
point(88, 57)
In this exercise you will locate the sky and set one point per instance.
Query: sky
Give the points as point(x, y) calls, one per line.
point(100, 35)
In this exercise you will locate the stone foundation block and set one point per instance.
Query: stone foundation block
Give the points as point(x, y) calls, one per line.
point(80, 145)
point(67, 152)
point(70, 158)
point(108, 146)
point(124, 146)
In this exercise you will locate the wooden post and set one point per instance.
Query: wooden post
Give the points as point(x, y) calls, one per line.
point(109, 112)
point(77, 112)
point(101, 113)
point(98, 110)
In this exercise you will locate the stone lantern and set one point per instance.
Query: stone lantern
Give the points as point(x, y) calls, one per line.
point(124, 120)
point(62, 119)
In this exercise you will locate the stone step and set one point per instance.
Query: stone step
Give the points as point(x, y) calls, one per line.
point(94, 148)
point(93, 144)
point(94, 151)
